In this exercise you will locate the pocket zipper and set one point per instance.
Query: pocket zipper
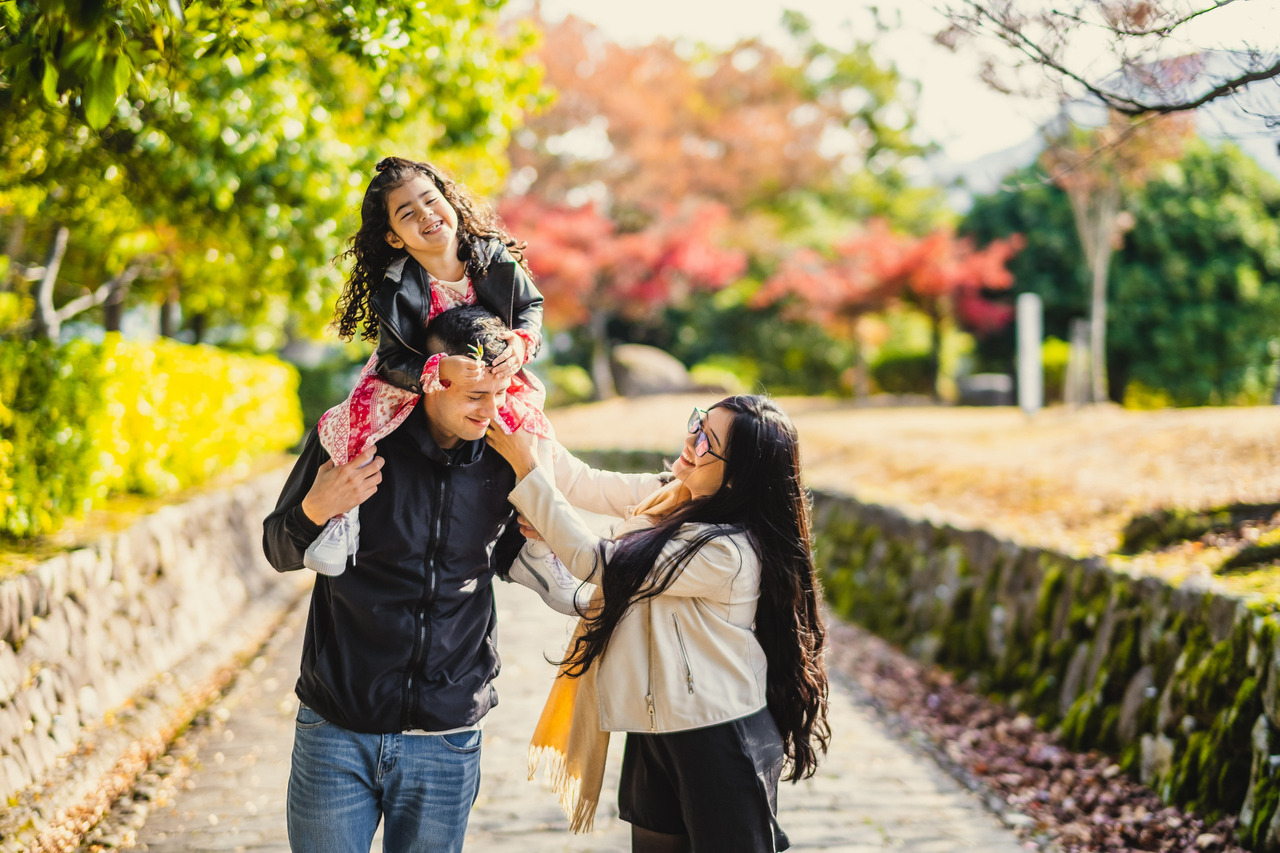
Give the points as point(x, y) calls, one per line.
point(688, 671)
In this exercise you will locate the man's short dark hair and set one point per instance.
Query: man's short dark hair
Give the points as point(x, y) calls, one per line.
point(458, 330)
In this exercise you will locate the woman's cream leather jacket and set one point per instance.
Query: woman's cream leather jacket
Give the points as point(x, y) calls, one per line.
point(685, 659)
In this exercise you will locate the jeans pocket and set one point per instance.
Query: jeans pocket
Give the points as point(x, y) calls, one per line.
point(309, 719)
point(462, 742)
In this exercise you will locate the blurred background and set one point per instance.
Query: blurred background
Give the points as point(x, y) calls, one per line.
point(809, 198)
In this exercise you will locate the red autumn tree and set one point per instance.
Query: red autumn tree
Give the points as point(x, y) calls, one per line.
point(742, 126)
point(591, 271)
point(942, 275)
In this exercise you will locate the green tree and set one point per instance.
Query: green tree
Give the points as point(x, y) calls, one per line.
point(1197, 293)
point(213, 155)
point(1048, 265)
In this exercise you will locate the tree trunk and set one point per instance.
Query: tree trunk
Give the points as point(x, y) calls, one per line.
point(199, 327)
point(113, 308)
point(47, 321)
point(1101, 262)
point(169, 316)
point(935, 351)
point(861, 372)
point(15, 236)
point(601, 372)
point(1095, 211)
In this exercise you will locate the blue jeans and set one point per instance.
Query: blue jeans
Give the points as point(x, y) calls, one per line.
point(342, 782)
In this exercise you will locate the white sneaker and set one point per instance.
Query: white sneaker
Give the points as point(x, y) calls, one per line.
point(338, 541)
point(541, 571)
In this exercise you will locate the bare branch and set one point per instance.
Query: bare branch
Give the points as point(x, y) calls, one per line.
point(1161, 31)
point(103, 292)
point(46, 319)
point(1143, 76)
point(49, 320)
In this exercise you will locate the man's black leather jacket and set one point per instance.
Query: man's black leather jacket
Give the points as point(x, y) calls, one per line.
point(404, 639)
point(403, 306)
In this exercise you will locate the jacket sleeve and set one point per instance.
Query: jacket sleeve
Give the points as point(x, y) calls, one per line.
point(287, 531)
point(505, 550)
point(602, 492)
point(709, 572)
point(507, 291)
point(402, 312)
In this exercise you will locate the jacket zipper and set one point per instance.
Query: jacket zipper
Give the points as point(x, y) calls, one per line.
point(688, 671)
point(648, 695)
point(424, 626)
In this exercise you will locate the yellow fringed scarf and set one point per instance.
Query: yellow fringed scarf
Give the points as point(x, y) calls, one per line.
point(568, 733)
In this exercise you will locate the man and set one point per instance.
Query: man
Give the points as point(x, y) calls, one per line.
point(399, 657)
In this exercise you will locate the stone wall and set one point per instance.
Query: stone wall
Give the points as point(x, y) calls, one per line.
point(1182, 684)
point(107, 651)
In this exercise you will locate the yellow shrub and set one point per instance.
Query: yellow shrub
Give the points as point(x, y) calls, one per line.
point(177, 414)
point(82, 421)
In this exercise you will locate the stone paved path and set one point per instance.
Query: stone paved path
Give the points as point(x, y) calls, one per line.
point(873, 793)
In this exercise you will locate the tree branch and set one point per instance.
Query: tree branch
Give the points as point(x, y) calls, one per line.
point(101, 294)
point(1139, 33)
point(46, 318)
point(1011, 32)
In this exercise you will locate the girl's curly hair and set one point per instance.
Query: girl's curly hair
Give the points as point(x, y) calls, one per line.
point(372, 254)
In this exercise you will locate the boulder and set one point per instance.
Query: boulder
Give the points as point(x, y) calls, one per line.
point(985, 389)
point(640, 370)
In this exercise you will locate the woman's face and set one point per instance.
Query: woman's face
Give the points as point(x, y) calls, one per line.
point(703, 475)
point(422, 220)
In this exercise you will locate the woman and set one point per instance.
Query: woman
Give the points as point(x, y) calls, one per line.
point(705, 642)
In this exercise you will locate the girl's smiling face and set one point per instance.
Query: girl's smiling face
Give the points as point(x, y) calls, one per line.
point(422, 221)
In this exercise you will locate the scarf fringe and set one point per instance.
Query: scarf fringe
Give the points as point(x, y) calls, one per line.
point(580, 812)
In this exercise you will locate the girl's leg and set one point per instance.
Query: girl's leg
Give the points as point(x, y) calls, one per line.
point(372, 409)
point(648, 841)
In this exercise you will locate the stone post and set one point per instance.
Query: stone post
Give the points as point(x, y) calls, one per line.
point(1030, 368)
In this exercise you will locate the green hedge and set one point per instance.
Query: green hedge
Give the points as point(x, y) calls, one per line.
point(83, 421)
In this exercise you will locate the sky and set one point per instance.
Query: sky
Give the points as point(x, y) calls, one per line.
point(967, 118)
point(956, 110)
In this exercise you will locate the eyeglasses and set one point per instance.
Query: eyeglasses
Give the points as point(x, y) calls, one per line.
point(701, 445)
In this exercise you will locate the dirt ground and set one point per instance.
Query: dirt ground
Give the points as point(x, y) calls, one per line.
point(1066, 479)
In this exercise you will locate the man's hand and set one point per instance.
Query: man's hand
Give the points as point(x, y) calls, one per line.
point(338, 488)
point(460, 368)
point(529, 531)
point(512, 360)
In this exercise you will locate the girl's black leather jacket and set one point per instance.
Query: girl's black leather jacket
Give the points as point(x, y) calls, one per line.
point(403, 306)
point(404, 638)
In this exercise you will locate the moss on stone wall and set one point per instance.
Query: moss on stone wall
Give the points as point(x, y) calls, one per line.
point(1176, 682)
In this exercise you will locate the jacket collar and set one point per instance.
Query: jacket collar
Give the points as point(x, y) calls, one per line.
point(417, 432)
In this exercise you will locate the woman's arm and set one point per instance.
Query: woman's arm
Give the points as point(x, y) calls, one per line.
point(602, 492)
point(708, 573)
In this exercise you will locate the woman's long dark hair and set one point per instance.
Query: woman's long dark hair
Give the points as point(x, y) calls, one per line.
point(761, 496)
point(373, 254)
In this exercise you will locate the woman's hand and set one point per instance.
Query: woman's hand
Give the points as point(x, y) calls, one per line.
point(338, 488)
point(520, 449)
point(512, 359)
point(460, 368)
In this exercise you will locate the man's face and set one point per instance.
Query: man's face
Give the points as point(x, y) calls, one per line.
point(463, 411)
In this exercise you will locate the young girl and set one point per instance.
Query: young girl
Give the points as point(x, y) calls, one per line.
point(425, 245)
